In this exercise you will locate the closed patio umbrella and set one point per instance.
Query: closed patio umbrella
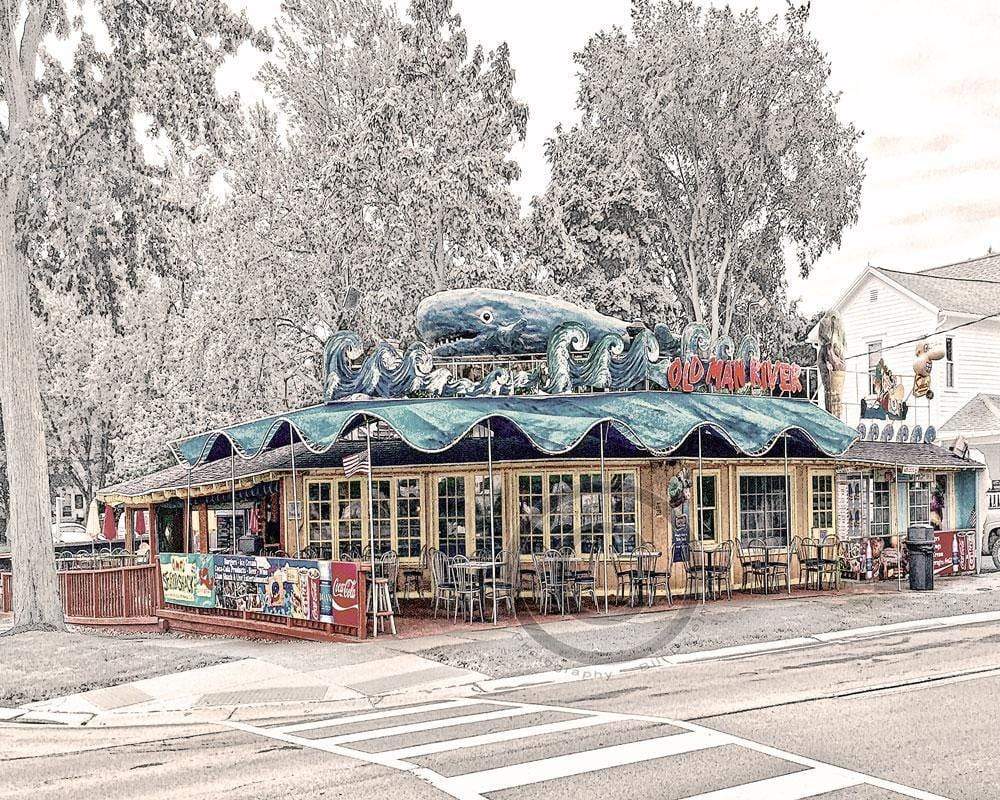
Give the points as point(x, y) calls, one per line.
point(93, 521)
point(140, 524)
point(109, 531)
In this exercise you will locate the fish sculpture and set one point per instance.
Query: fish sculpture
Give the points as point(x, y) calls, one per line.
point(474, 322)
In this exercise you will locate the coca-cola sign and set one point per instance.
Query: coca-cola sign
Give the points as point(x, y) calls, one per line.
point(345, 607)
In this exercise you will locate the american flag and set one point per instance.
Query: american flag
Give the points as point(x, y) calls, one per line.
point(356, 462)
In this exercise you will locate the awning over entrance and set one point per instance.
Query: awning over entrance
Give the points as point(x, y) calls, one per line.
point(656, 421)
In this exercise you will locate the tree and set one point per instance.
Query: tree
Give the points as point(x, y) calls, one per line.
point(383, 162)
point(76, 190)
point(709, 143)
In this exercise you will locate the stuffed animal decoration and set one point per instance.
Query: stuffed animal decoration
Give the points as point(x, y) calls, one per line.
point(926, 356)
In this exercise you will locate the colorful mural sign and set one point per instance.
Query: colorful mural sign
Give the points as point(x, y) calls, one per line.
point(344, 601)
point(276, 586)
point(954, 552)
point(188, 579)
point(888, 398)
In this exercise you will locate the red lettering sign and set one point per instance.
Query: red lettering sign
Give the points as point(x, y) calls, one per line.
point(344, 593)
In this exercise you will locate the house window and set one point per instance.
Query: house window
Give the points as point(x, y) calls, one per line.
point(382, 514)
point(591, 512)
point(880, 524)
point(919, 496)
point(764, 508)
point(939, 503)
point(822, 502)
point(874, 356)
point(707, 507)
point(451, 515)
point(320, 517)
point(531, 526)
point(349, 523)
point(408, 524)
point(949, 362)
point(78, 502)
point(484, 500)
point(623, 513)
point(561, 528)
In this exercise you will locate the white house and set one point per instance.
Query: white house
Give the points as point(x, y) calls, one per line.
point(886, 312)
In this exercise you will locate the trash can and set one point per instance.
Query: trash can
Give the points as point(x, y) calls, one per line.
point(920, 551)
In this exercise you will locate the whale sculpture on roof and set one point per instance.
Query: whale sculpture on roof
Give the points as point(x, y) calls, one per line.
point(475, 322)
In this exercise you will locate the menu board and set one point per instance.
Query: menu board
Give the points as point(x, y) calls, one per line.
point(188, 579)
point(277, 586)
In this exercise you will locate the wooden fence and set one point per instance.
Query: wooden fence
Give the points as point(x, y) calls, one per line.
point(119, 595)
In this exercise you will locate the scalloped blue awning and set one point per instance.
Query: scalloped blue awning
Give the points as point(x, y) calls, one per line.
point(655, 421)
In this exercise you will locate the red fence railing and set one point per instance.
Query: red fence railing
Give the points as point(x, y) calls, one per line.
point(117, 593)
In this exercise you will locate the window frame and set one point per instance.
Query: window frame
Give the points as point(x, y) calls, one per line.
point(789, 506)
point(949, 362)
point(926, 482)
point(334, 483)
point(831, 512)
point(711, 474)
point(876, 527)
point(607, 536)
point(874, 348)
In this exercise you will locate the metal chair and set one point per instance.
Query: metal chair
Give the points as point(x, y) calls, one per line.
point(624, 574)
point(466, 592)
point(809, 563)
point(413, 577)
point(442, 586)
point(584, 581)
point(829, 558)
point(752, 563)
point(695, 569)
point(721, 569)
point(502, 588)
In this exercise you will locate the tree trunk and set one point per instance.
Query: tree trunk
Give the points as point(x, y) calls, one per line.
point(36, 588)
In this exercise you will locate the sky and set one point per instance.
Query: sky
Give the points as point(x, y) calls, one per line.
point(920, 78)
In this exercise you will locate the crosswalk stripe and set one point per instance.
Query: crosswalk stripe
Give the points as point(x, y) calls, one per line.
point(500, 736)
point(375, 715)
point(545, 769)
point(416, 727)
point(792, 786)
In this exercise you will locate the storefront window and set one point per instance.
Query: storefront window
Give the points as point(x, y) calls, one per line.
point(451, 515)
point(881, 522)
point(623, 511)
point(408, 517)
point(939, 503)
point(561, 511)
point(919, 494)
point(484, 498)
point(764, 508)
point(320, 517)
point(707, 507)
point(822, 502)
point(349, 523)
point(591, 512)
point(529, 501)
point(382, 514)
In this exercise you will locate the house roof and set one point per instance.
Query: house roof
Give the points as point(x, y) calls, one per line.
point(972, 287)
point(980, 414)
point(906, 454)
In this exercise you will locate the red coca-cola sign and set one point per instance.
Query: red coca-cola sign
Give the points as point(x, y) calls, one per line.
point(344, 596)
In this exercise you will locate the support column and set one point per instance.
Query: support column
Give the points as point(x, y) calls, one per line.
point(203, 528)
point(129, 529)
point(154, 537)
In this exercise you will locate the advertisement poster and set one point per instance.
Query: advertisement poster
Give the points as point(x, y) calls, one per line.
point(188, 579)
point(342, 598)
point(954, 552)
point(276, 586)
point(679, 497)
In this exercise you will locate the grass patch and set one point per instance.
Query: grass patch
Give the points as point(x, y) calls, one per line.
point(39, 665)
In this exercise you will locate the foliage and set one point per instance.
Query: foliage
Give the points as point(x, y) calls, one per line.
point(709, 143)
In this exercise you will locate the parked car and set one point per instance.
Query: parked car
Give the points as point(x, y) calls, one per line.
point(70, 533)
point(991, 523)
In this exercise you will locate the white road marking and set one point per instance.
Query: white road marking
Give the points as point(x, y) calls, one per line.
point(816, 778)
point(547, 769)
point(793, 786)
point(434, 724)
point(374, 715)
point(501, 736)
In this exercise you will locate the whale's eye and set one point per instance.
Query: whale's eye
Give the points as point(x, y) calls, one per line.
point(486, 316)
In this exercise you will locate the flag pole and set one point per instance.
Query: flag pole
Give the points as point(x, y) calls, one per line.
point(493, 547)
point(371, 528)
point(232, 475)
point(295, 494)
point(701, 538)
point(604, 549)
point(788, 522)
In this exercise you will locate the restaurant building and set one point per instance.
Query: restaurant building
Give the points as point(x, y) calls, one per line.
point(697, 447)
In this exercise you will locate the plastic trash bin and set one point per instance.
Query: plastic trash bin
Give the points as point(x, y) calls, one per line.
point(920, 551)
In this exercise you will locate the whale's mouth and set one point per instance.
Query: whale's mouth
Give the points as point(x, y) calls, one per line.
point(445, 341)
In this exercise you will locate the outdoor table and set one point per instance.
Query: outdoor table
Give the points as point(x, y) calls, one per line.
point(633, 556)
point(478, 568)
point(767, 550)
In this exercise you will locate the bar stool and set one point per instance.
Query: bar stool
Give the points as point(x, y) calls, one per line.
point(381, 593)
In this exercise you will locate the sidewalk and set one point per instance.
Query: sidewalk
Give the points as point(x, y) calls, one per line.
point(264, 678)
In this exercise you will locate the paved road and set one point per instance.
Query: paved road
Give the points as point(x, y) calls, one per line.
point(894, 717)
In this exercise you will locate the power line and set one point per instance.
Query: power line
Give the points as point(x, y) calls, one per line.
point(932, 333)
